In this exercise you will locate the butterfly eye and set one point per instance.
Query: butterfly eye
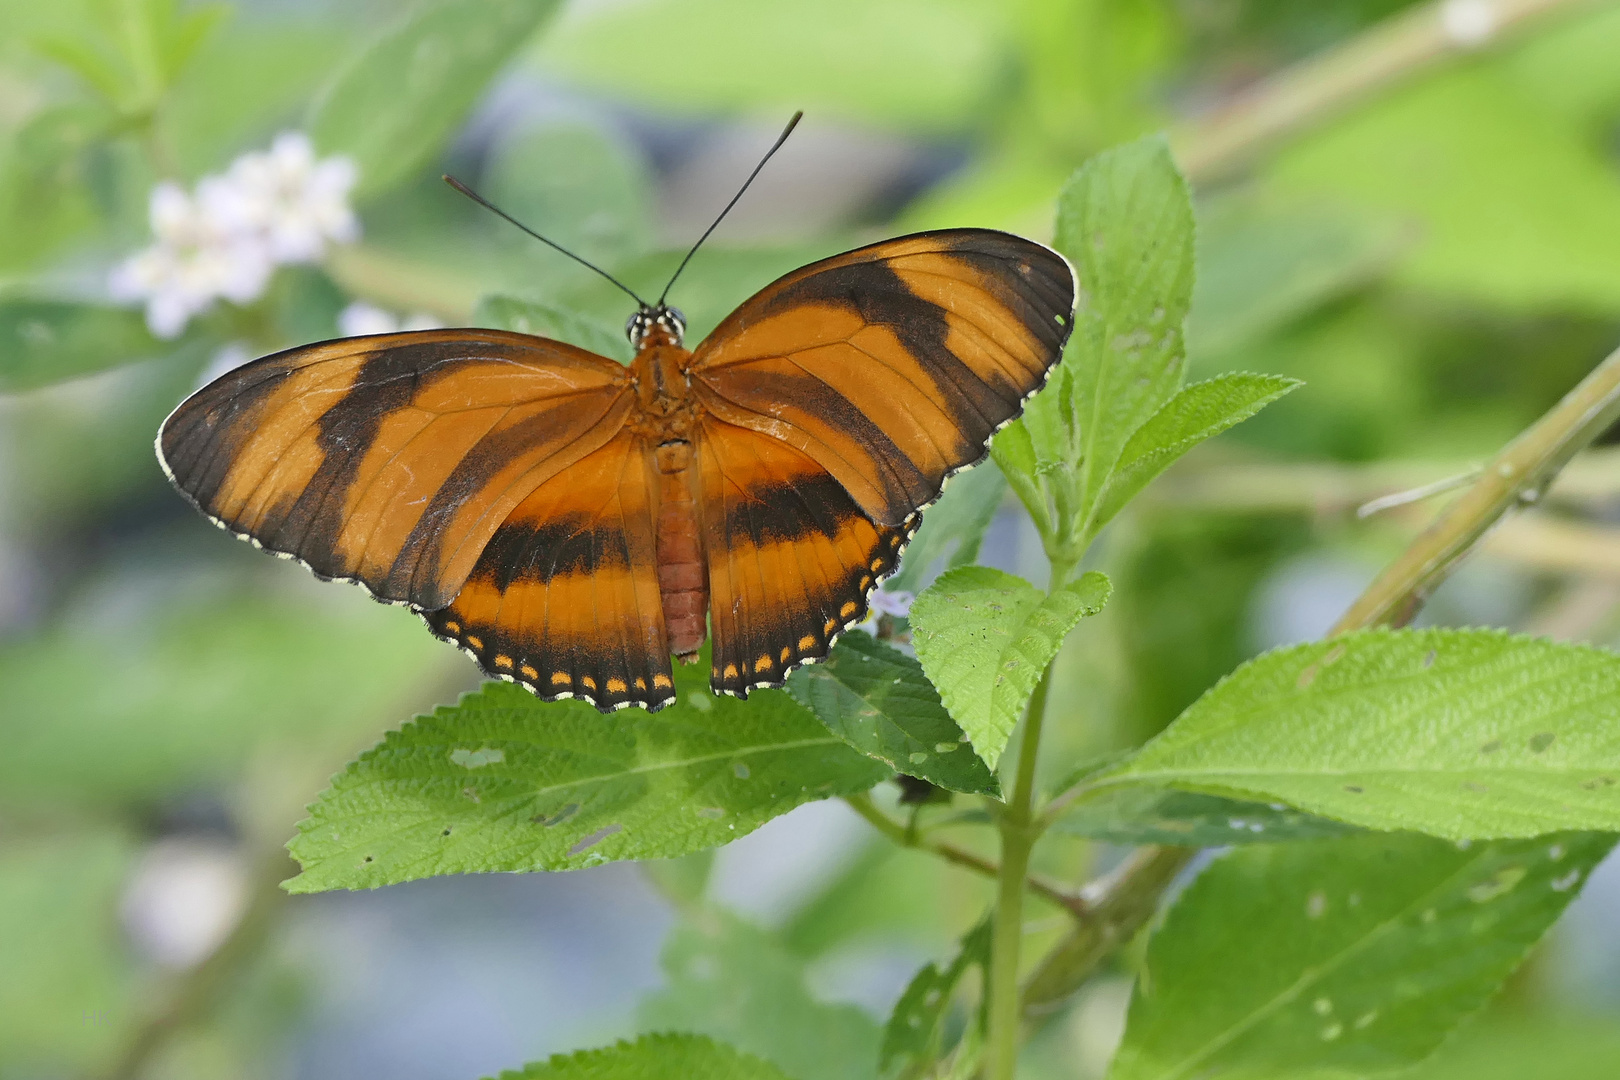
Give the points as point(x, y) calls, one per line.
point(680, 320)
point(635, 328)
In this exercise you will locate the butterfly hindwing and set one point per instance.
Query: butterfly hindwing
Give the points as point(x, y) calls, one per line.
point(391, 459)
point(792, 559)
point(892, 365)
point(565, 598)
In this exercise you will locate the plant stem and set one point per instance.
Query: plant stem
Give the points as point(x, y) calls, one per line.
point(1121, 905)
point(1304, 95)
point(1516, 476)
point(1018, 835)
point(862, 804)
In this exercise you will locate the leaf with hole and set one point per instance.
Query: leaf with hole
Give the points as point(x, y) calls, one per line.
point(503, 781)
point(985, 637)
point(1125, 222)
point(1457, 733)
point(652, 1057)
point(911, 1038)
point(1149, 815)
point(1340, 958)
point(878, 700)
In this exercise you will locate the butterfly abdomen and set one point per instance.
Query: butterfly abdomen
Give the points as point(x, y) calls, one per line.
point(682, 579)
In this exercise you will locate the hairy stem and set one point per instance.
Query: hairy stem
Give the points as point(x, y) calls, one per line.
point(1018, 835)
point(1121, 904)
point(1515, 477)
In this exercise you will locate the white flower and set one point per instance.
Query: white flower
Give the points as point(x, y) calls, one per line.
point(361, 318)
point(297, 203)
point(277, 206)
point(201, 253)
point(897, 603)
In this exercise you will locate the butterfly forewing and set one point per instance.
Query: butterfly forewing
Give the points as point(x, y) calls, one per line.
point(509, 488)
point(791, 558)
point(892, 365)
point(565, 598)
point(391, 459)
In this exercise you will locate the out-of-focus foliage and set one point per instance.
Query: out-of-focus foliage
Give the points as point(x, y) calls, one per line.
point(1437, 263)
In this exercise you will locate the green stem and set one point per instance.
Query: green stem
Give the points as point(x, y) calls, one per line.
point(1515, 477)
point(863, 805)
point(1018, 835)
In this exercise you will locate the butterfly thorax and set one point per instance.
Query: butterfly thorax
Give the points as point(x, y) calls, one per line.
point(666, 421)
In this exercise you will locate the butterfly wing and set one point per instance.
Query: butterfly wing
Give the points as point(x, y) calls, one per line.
point(892, 365)
point(391, 459)
point(565, 597)
point(791, 557)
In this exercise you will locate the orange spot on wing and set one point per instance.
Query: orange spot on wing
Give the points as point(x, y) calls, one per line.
point(561, 678)
point(806, 643)
point(661, 681)
point(617, 686)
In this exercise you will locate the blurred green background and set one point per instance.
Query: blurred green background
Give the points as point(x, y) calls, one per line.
point(1438, 257)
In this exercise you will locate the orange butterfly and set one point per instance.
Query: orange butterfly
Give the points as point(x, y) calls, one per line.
point(569, 521)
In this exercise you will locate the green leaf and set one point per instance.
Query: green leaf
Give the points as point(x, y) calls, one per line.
point(187, 692)
point(652, 1057)
point(1340, 958)
point(1126, 223)
point(1146, 815)
point(46, 341)
point(984, 637)
point(1458, 733)
point(912, 1035)
point(400, 99)
point(879, 701)
point(1197, 412)
point(953, 528)
point(736, 982)
point(1561, 1044)
point(542, 320)
point(503, 781)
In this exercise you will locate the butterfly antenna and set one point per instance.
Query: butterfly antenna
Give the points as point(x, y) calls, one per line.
point(780, 139)
point(487, 205)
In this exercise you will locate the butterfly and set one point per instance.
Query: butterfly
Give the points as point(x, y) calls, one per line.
point(573, 523)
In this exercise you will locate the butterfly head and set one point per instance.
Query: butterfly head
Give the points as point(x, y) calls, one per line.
point(661, 325)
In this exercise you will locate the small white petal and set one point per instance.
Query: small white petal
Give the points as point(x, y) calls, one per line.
point(171, 212)
point(167, 314)
point(897, 603)
point(361, 318)
point(420, 320)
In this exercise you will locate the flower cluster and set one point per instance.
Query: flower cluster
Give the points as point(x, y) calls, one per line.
point(225, 238)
